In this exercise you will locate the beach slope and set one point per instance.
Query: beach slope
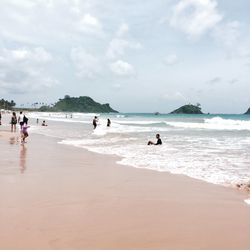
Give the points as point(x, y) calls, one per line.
point(60, 197)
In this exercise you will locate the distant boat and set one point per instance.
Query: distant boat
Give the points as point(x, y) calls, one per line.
point(157, 113)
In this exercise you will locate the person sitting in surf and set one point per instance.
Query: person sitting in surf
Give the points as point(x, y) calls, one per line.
point(158, 142)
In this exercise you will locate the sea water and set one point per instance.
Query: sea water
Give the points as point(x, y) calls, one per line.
point(213, 148)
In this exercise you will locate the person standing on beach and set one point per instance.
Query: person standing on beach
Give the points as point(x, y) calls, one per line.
point(158, 142)
point(95, 120)
point(20, 119)
point(13, 122)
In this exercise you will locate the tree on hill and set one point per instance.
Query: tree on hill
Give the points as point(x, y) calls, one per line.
point(83, 104)
point(248, 112)
point(4, 104)
point(188, 109)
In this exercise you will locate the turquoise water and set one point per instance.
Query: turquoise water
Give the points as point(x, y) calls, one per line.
point(213, 148)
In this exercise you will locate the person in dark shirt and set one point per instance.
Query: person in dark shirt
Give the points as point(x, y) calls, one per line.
point(95, 122)
point(158, 142)
point(108, 122)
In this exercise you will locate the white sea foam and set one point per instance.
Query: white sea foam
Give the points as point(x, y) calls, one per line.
point(220, 158)
point(131, 122)
point(214, 165)
point(216, 123)
point(247, 201)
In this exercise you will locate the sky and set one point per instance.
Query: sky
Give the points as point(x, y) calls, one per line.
point(137, 55)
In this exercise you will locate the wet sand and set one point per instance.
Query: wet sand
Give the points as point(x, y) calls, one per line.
point(60, 197)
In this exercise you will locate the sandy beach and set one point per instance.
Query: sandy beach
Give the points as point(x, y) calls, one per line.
point(59, 197)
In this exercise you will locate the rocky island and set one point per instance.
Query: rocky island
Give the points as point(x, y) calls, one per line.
point(82, 104)
point(248, 112)
point(188, 109)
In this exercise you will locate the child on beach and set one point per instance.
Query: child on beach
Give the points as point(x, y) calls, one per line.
point(24, 132)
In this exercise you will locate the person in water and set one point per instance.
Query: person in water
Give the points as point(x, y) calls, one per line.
point(158, 142)
point(108, 122)
point(44, 124)
point(95, 122)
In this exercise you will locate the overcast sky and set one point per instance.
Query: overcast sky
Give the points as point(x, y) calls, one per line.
point(137, 55)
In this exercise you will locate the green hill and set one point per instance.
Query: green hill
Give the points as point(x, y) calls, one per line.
point(248, 112)
point(82, 104)
point(188, 109)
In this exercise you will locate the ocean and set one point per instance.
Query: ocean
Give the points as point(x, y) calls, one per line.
point(212, 148)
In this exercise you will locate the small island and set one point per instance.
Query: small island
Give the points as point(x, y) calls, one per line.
point(188, 109)
point(83, 104)
point(248, 112)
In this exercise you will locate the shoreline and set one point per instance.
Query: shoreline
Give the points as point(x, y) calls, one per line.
point(61, 197)
point(243, 188)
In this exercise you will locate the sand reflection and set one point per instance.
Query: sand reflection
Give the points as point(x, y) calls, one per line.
point(22, 158)
point(13, 140)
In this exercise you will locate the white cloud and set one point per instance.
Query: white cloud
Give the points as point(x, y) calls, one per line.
point(86, 64)
point(122, 68)
point(176, 96)
point(123, 29)
point(38, 55)
point(47, 22)
point(228, 33)
point(171, 59)
point(195, 17)
point(214, 80)
point(119, 45)
point(90, 24)
point(25, 70)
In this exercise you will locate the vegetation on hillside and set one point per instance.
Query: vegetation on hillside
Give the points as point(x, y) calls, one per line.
point(83, 104)
point(248, 112)
point(4, 104)
point(188, 109)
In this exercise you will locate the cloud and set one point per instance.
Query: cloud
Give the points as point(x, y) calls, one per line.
point(233, 81)
point(171, 59)
point(195, 17)
point(25, 70)
point(176, 96)
point(228, 33)
point(123, 29)
point(48, 21)
point(86, 64)
point(90, 24)
point(122, 68)
point(119, 45)
point(214, 81)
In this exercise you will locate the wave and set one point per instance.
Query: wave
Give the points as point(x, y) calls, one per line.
point(216, 123)
point(169, 158)
point(140, 122)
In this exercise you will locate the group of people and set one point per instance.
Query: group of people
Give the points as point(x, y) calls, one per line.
point(95, 121)
point(23, 122)
point(158, 137)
